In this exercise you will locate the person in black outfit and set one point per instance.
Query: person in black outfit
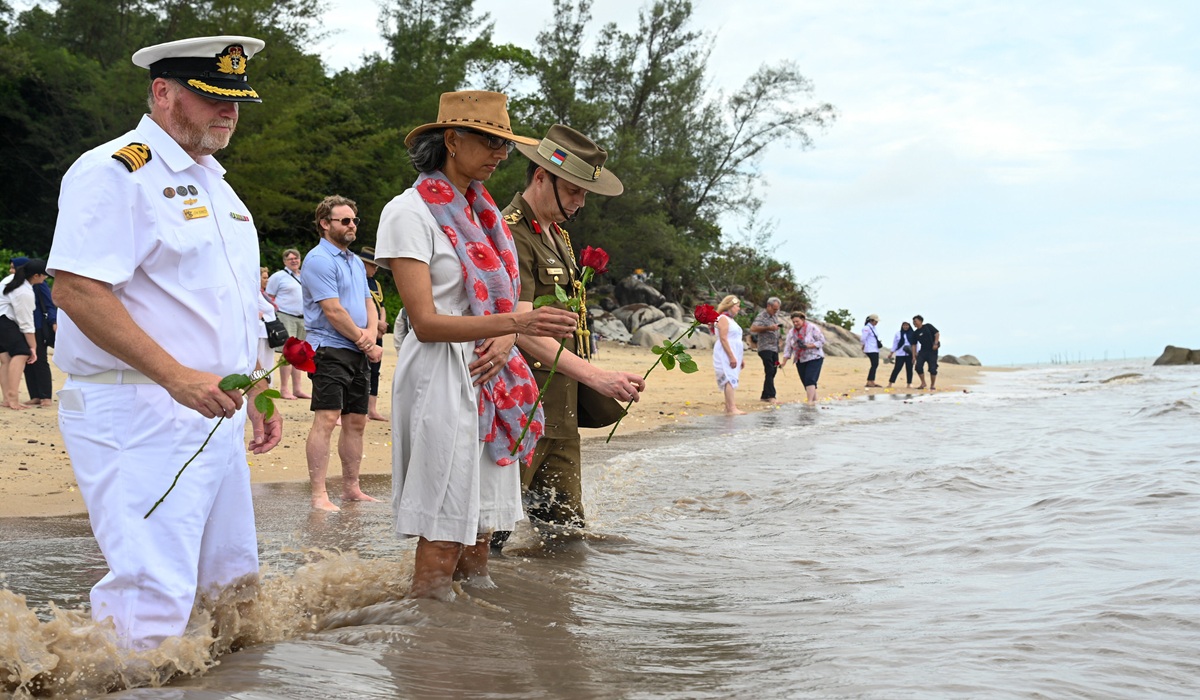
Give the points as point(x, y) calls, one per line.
point(45, 320)
point(930, 340)
point(902, 351)
point(368, 258)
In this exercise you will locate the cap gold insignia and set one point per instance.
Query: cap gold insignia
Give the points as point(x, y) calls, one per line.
point(596, 174)
point(232, 60)
point(133, 156)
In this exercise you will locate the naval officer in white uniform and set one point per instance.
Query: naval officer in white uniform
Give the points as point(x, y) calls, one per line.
point(157, 274)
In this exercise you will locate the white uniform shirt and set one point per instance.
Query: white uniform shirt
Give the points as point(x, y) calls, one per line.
point(185, 265)
point(18, 304)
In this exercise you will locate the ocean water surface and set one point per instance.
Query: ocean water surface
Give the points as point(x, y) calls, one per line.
point(1036, 537)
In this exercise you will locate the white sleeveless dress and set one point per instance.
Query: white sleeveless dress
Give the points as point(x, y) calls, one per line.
point(725, 373)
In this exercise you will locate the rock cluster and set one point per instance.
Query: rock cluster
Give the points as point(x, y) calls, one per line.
point(1173, 355)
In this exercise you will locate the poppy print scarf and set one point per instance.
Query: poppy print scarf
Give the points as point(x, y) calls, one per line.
point(489, 265)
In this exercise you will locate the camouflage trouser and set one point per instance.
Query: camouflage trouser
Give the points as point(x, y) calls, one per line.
point(552, 483)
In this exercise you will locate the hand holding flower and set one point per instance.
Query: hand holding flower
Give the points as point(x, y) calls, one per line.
point(268, 425)
point(672, 352)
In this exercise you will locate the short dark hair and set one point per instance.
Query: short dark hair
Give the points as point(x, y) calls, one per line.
point(428, 151)
point(530, 171)
point(799, 314)
point(919, 317)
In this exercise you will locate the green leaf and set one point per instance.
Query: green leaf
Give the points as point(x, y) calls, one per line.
point(234, 381)
point(657, 350)
point(688, 366)
point(273, 393)
point(265, 405)
point(574, 303)
point(682, 357)
point(561, 294)
point(668, 361)
point(544, 300)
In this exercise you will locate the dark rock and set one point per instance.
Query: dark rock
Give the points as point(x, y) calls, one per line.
point(970, 360)
point(672, 310)
point(609, 304)
point(1173, 355)
point(948, 360)
point(631, 291)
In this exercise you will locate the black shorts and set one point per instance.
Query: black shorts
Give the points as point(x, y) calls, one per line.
point(810, 371)
point(12, 340)
point(927, 356)
point(342, 381)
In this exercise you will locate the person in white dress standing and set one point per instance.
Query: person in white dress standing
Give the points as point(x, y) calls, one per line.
point(461, 391)
point(727, 353)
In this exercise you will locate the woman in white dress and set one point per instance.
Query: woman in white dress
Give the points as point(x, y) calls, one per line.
point(727, 353)
point(461, 391)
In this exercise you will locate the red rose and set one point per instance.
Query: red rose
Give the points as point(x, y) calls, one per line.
point(706, 314)
point(483, 255)
point(451, 234)
point(436, 191)
point(488, 218)
point(594, 258)
point(299, 354)
point(481, 290)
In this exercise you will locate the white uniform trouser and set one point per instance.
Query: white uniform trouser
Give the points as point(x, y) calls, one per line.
point(126, 442)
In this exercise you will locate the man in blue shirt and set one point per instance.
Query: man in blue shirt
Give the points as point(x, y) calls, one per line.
point(341, 321)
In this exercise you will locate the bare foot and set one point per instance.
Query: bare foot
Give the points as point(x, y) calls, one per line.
point(323, 503)
point(16, 406)
point(302, 395)
point(33, 402)
point(377, 416)
point(735, 412)
point(288, 397)
point(357, 495)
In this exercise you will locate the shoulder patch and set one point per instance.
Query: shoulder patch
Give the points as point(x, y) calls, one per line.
point(133, 156)
point(513, 217)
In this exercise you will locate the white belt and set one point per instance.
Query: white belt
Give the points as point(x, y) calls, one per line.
point(113, 376)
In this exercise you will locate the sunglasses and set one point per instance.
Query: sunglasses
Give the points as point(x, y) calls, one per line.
point(345, 221)
point(494, 143)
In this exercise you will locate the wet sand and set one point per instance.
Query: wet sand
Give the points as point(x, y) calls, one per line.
point(36, 478)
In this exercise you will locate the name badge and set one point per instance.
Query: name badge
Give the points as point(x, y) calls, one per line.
point(195, 213)
point(554, 270)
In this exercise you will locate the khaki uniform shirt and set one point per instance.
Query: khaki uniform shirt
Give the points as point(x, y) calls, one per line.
point(544, 261)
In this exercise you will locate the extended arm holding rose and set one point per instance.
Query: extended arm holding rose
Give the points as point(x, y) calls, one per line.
point(624, 386)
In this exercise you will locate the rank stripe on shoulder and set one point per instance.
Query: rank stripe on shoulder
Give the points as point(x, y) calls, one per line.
point(513, 217)
point(133, 156)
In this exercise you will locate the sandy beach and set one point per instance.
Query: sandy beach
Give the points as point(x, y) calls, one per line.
point(36, 478)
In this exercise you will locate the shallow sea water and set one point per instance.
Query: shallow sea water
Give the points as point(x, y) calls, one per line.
point(1037, 537)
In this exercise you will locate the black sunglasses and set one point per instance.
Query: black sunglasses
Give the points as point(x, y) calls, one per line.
point(345, 221)
point(495, 143)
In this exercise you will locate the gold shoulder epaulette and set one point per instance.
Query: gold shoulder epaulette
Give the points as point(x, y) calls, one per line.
point(133, 156)
point(513, 217)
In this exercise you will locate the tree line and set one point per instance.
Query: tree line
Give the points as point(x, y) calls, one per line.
point(688, 155)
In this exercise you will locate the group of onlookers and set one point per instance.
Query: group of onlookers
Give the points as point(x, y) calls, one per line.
point(920, 344)
point(28, 319)
point(803, 344)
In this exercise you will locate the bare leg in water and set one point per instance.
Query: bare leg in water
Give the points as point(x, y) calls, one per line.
point(473, 563)
point(433, 569)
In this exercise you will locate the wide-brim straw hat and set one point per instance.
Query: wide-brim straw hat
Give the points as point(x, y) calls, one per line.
point(367, 255)
point(478, 110)
point(575, 158)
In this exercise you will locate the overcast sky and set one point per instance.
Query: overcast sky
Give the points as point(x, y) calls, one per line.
point(1024, 174)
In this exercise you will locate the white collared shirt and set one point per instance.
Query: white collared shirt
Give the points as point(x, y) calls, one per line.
point(18, 304)
point(184, 265)
point(870, 341)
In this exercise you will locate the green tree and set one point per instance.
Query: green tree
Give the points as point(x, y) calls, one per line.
point(840, 317)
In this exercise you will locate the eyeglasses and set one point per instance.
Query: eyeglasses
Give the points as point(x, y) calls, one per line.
point(494, 143)
point(345, 221)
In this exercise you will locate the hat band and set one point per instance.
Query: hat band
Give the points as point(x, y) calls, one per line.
point(225, 92)
point(494, 125)
point(568, 161)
